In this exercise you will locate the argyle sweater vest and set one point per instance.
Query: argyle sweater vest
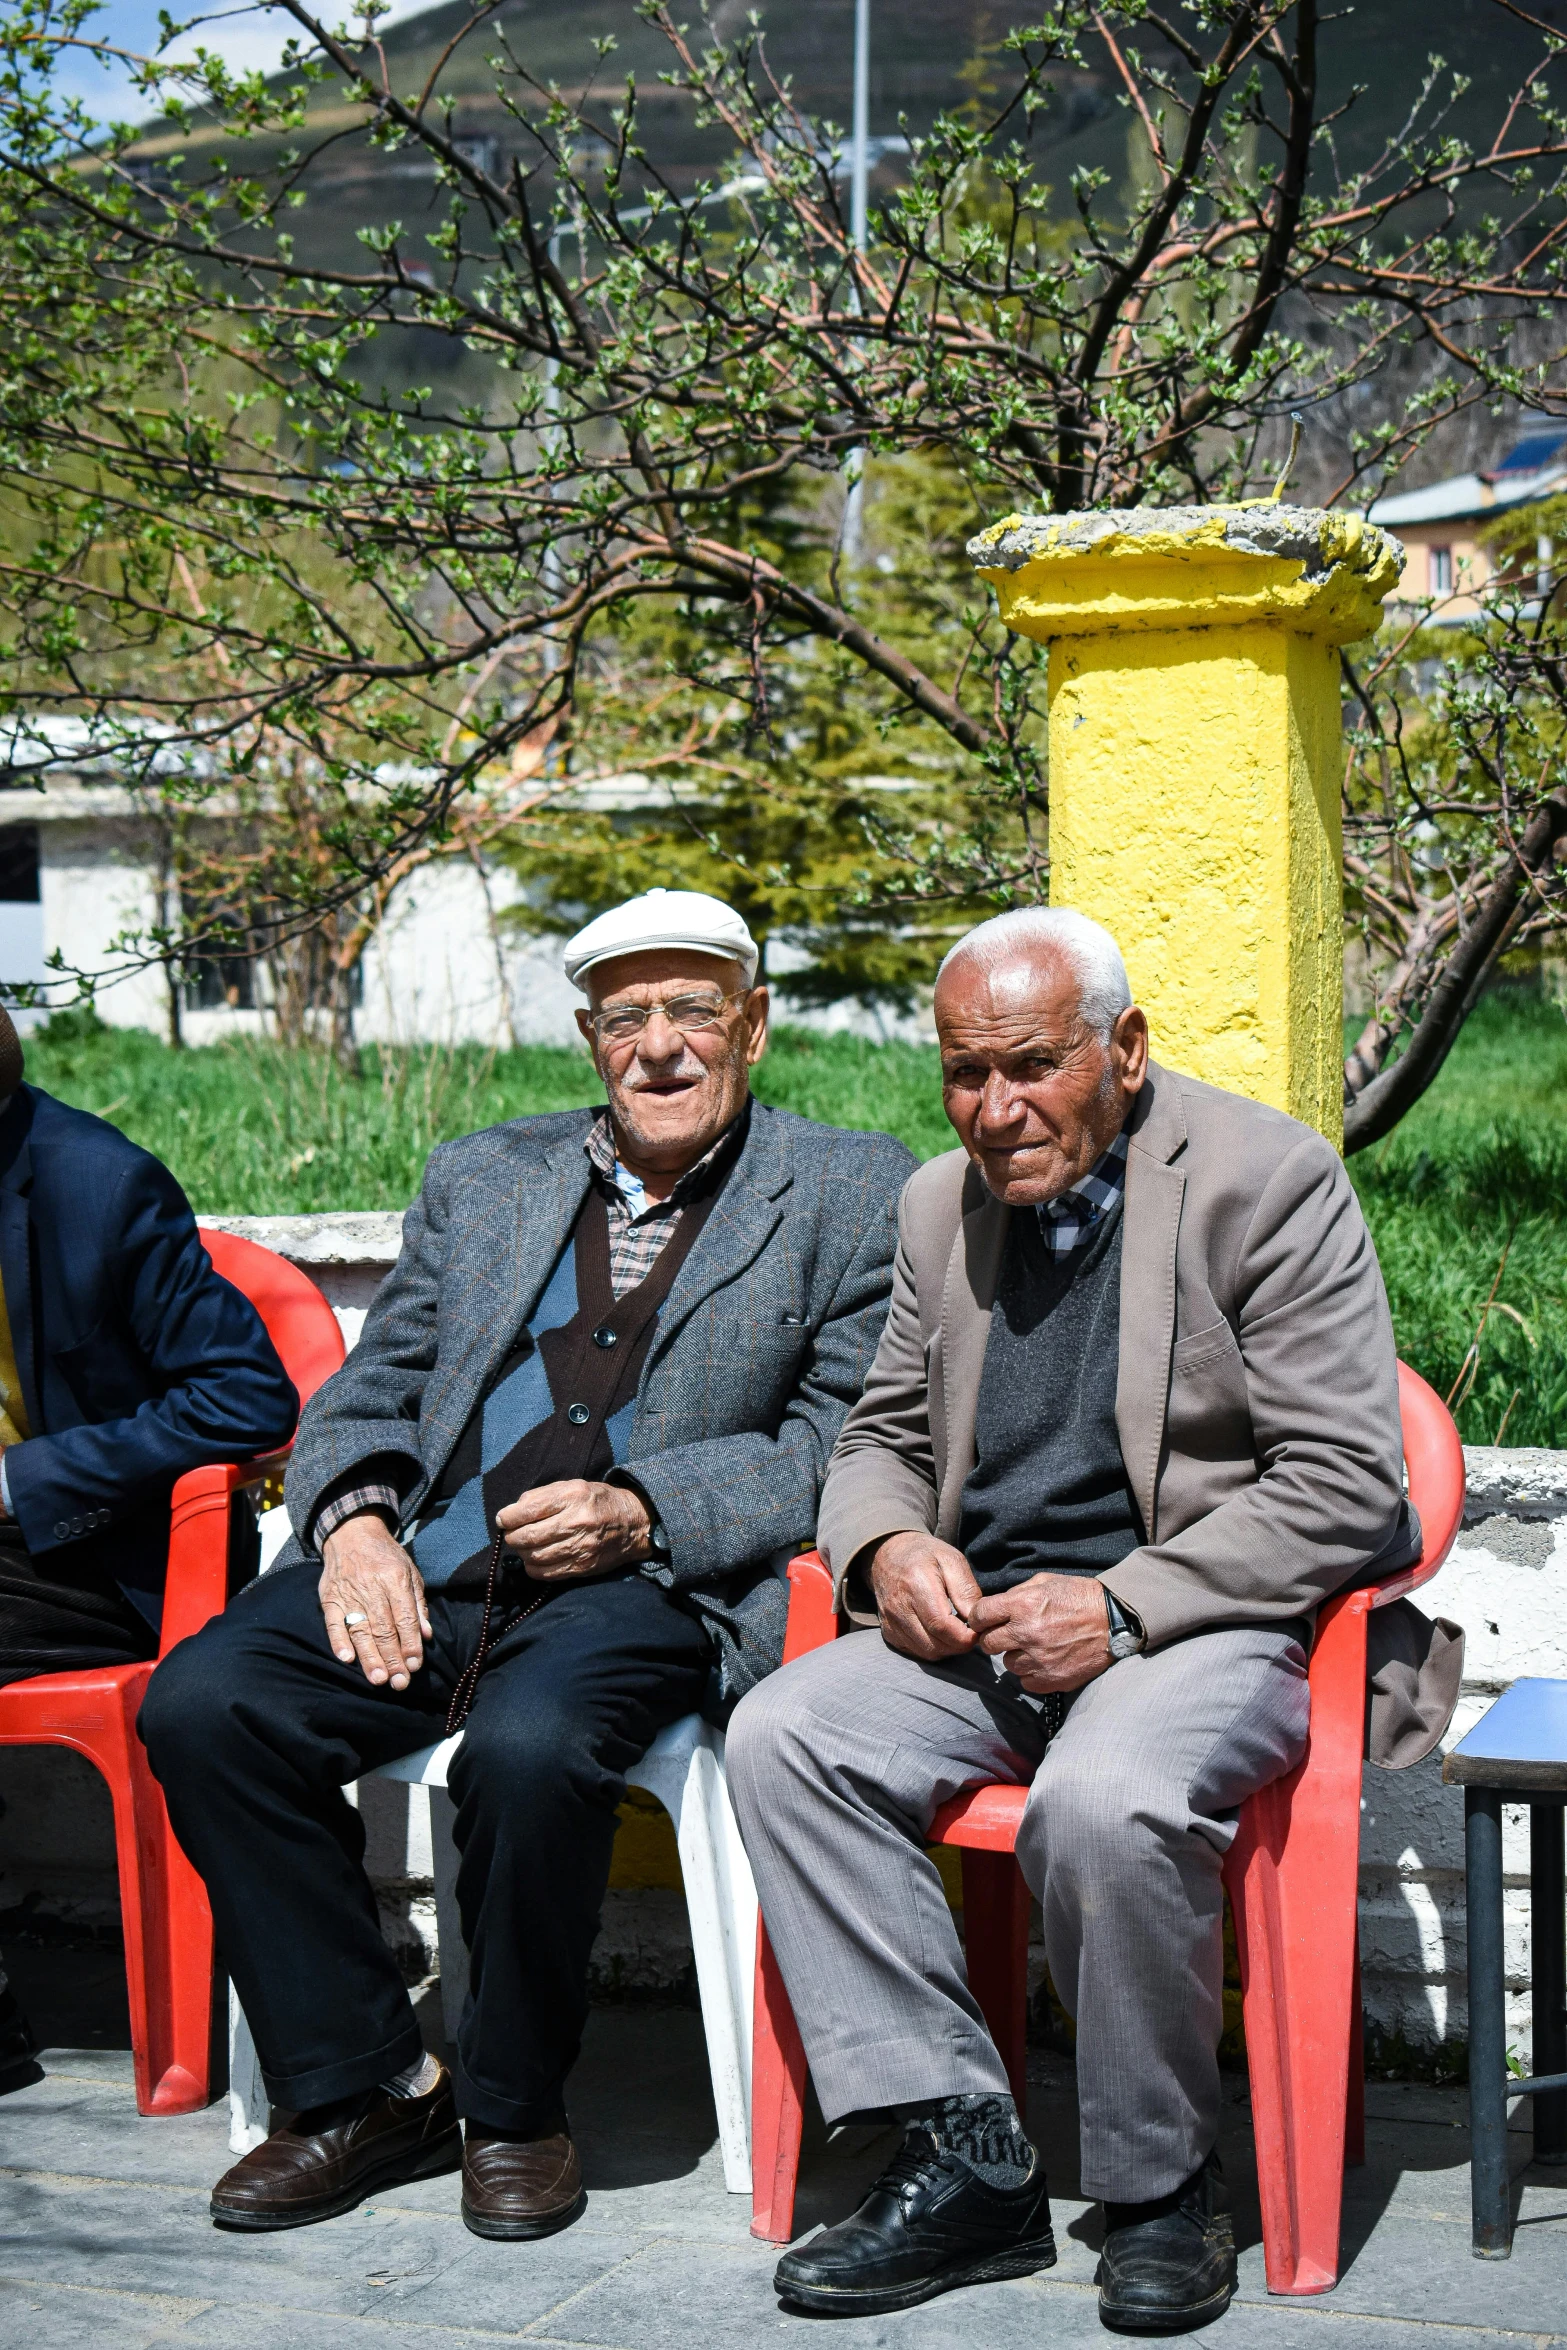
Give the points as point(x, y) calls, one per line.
point(561, 1404)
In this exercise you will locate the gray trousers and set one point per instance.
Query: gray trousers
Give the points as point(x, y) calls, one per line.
point(836, 1765)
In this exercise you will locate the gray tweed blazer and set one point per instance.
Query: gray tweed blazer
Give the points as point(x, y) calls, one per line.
point(762, 1346)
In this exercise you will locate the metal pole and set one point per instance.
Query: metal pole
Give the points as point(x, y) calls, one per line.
point(1548, 1974)
point(859, 159)
point(1489, 2184)
point(859, 201)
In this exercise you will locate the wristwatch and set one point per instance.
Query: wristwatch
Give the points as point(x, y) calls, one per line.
point(657, 1539)
point(1127, 1637)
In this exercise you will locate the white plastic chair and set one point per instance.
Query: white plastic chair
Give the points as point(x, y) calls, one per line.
point(684, 1769)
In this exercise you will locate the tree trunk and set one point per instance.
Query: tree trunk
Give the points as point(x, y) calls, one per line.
point(345, 1046)
point(1378, 1106)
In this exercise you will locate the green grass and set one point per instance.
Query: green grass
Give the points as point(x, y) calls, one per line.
point(1477, 1173)
point(251, 1129)
point(1479, 1168)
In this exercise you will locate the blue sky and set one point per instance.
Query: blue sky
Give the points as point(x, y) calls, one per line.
point(245, 36)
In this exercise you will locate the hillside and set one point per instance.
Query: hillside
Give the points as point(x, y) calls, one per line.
point(927, 56)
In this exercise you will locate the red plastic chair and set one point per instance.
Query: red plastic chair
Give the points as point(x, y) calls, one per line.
point(163, 1904)
point(1292, 1877)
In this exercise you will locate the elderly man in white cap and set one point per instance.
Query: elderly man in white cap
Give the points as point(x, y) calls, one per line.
point(548, 1497)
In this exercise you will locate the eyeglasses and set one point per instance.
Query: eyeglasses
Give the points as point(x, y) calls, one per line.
point(691, 1014)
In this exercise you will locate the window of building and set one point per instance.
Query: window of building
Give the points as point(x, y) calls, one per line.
point(19, 865)
point(216, 983)
point(243, 983)
point(1440, 575)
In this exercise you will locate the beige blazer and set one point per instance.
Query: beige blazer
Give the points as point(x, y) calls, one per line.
point(1257, 1398)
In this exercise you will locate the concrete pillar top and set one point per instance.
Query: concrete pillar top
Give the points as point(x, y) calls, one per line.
point(1174, 567)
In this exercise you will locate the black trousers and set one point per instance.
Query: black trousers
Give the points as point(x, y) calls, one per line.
point(253, 1727)
point(54, 1621)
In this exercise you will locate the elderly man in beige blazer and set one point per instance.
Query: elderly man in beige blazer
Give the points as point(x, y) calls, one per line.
point(1134, 1416)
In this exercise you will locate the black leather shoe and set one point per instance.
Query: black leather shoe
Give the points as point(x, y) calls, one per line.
point(19, 2066)
point(1170, 2265)
point(928, 2224)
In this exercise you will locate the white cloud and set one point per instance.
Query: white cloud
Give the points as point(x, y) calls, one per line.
point(247, 38)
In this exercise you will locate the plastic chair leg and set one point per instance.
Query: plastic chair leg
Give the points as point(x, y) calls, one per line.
point(165, 1921)
point(250, 2110)
point(453, 1950)
point(683, 1768)
point(166, 1925)
point(996, 1910)
point(137, 1869)
point(1355, 2114)
point(721, 1908)
point(1293, 1879)
point(180, 1977)
point(777, 2101)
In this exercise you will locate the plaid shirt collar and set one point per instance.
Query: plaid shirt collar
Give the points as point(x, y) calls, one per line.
point(599, 1144)
point(1070, 1222)
point(638, 1234)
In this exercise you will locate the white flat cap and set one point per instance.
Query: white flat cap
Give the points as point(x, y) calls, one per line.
point(685, 918)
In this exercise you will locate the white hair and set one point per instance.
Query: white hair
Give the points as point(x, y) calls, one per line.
point(1104, 991)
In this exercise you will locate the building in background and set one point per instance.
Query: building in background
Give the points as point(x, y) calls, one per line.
point(1439, 526)
point(84, 859)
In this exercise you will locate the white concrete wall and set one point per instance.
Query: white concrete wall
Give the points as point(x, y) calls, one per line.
point(444, 968)
point(95, 881)
point(1506, 1584)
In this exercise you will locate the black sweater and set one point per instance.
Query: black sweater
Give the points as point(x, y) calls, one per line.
point(1048, 1492)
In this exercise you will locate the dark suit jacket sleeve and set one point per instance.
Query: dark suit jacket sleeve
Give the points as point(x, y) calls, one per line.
point(219, 1390)
point(366, 1417)
point(731, 1501)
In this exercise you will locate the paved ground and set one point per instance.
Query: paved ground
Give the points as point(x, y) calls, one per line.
point(104, 2236)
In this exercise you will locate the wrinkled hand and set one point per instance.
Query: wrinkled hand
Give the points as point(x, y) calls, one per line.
point(1052, 1632)
point(925, 1591)
point(366, 1571)
point(575, 1528)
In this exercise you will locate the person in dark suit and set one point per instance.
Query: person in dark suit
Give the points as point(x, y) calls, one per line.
point(125, 1359)
point(557, 1480)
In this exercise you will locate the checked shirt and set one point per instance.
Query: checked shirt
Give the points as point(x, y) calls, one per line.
point(1069, 1222)
point(638, 1226)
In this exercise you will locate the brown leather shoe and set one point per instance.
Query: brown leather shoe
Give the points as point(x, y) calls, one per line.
point(513, 2189)
point(307, 2171)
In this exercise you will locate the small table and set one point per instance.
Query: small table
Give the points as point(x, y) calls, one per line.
point(1516, 1753)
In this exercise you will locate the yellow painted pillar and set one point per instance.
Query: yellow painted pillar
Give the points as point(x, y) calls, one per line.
point(1196, 766)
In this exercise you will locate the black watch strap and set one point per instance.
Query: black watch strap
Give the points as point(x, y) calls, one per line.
point(1127, 1637)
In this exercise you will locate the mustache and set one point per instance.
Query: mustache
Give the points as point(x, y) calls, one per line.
point(636, 1080)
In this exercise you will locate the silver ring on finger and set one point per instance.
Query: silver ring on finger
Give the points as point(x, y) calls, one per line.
point(356, 1619)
